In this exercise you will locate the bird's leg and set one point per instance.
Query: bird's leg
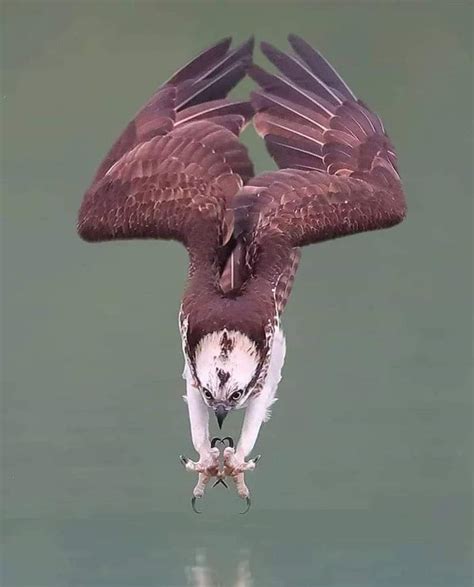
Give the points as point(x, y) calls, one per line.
point(235, 464)
point(257, 412)
point(208, 464)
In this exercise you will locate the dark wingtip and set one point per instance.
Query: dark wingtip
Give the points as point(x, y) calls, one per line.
point(275, 56)
point(250, 44)
point(292, 38)
point(320, 66)
point(267, 48)
point(298, 42)
point(211, 54)
point(244, 50)
point(226, 41)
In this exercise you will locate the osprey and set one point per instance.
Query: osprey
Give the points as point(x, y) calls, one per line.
point(179, 171)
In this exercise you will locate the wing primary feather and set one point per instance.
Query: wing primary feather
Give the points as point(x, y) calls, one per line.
point(241, 53)
point(287, 145)
point(297, 72)
point(215, 87)
point(294, 131)
point(279, 83)
point(203, 62)
point(213, 109)
point(286, 105)
point(179, 161)
point(364, 113)
point(337, 167)
point(319, 65)
point(213, 74)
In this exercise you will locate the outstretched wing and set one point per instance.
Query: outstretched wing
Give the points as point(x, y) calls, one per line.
point(338, 168)
point(178, 163)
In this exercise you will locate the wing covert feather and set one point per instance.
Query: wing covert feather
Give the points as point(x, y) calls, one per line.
point(177, 165)
point(338, 168)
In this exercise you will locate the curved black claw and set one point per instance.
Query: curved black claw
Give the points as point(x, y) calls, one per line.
point(193, 505)
point(249, 503)
point(230, 441)
point(216, 440)
point(184, 460)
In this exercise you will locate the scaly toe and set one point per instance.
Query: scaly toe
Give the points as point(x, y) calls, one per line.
point(214, 453)
point(229, 454)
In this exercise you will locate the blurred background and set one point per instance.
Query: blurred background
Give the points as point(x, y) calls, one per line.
point(365, 475)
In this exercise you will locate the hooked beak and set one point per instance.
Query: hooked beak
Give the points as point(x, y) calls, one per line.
point(221, 413)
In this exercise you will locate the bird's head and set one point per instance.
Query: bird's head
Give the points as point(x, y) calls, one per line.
point(227, 366)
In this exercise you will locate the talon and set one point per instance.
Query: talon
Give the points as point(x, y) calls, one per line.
point(230, 440)
point(220, 480)
point(184, 460)
point(215, 440)
point(193, 505)
point(256, 459)
point(249, 503)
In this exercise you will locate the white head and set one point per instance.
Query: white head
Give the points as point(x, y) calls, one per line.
point(227, 368)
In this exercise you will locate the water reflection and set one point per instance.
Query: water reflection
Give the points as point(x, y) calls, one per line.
point(281, 549)
point(202, 574)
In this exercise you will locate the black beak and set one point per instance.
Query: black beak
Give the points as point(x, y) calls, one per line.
point(221, 413)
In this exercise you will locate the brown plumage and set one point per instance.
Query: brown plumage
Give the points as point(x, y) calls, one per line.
point(179, 171)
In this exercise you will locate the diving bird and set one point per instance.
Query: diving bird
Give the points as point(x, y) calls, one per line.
point(179, 171)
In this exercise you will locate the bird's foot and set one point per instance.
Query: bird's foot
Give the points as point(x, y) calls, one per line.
point(236, 466)
point(207, 467)
point(208, 463)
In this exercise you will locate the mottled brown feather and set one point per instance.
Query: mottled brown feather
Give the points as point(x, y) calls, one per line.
point(286, 281)
point(338, 168)
point(177, 165)
point(178, 171)
point(338, 171)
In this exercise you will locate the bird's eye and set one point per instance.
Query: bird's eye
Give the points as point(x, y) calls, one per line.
point(208, 394)
point(236, 395)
